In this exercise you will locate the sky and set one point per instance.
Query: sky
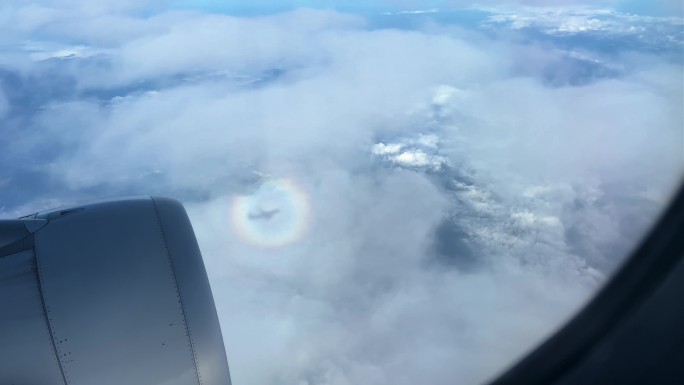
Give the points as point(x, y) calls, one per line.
point(383, 192)
point(651, 7)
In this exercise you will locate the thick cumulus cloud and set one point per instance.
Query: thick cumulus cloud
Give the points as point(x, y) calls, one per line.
point(455, 195)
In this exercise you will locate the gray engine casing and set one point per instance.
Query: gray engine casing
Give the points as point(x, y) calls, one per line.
point(110, 293)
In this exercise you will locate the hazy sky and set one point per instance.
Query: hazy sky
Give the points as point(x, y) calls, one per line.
point(657, 7)
point(379, 198)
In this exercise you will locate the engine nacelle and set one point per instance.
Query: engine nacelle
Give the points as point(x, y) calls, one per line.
point(111, 293)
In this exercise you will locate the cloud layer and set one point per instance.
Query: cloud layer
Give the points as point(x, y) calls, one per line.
point(465, 190)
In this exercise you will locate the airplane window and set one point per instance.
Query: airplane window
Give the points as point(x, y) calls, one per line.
point(384, 192)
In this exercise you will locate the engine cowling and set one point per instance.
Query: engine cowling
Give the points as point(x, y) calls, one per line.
point(109, 293)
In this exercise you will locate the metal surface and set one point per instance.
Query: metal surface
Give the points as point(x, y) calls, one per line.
point(121, 294)
point(11, 231)
point(26, 352)
point(33, 225)
point(193, 287)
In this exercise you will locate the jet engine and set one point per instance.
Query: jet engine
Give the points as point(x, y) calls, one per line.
point(108, 293)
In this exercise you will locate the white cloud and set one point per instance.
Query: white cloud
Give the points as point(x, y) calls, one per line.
point(411, 152)
point(417, 158)
point(415, 12)
point(386, 149)
point(583, 19)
